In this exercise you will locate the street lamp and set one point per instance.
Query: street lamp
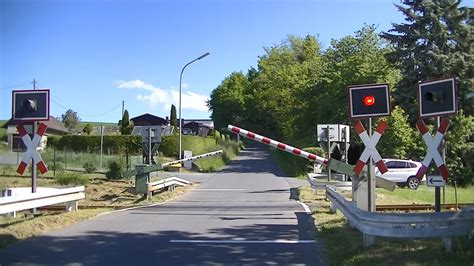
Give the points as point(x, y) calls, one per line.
point(180, 78)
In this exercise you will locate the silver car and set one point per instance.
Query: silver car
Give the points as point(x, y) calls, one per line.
point(403, 172)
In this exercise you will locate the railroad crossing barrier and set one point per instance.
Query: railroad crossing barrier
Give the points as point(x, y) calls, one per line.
point(70, 196)
point(142, 171)
point(442, 225)
point(332, 164)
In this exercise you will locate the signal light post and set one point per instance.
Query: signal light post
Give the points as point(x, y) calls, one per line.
point(367, 101)
point(436, 98)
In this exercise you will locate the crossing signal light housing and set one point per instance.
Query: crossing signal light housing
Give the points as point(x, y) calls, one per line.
point(369, 100)
point(437, 97)
point(30, 105)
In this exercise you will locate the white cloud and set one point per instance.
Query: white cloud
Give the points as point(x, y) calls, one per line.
point(157, 97)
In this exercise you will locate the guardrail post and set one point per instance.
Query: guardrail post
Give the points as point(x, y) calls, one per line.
point(448, 244)
point(368, 240)
point(332, 208)
point(71, 206)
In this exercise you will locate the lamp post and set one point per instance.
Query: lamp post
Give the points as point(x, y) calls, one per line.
point(180, 78)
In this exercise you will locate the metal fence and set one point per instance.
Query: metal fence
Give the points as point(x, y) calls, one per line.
point(444, 225)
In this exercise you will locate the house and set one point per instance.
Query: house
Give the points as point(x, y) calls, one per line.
point(149, 120)
point(200, 127)
point(55, 128)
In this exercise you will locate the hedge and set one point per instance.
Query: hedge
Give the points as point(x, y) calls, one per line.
point(115, 144)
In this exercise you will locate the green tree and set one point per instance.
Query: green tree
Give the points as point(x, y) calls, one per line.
point(70, 119)
point(173, 119)
point(87, 129)
point(126, 126)
point(352, 60)
point(436, 41)
point(398, 139)
point(279, 99)
point(460, 150)
point(227, 101)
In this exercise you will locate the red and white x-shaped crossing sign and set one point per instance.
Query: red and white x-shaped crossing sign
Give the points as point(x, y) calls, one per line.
point(370, 143)
point(31, 152)
point(433, 144)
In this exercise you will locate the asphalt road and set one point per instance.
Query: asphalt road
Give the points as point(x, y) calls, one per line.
point(241, 215)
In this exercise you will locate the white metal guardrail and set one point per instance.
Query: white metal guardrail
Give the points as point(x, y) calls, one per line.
point(70, 196)
point(169, 182)
point(444, 225)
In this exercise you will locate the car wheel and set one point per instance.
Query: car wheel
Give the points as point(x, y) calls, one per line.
point(413, 182)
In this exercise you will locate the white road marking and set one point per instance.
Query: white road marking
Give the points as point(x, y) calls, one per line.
point(307, 210)
point(276, 241)
point(219, 189)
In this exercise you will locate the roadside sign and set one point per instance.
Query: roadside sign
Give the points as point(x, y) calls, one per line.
point(433, 143)
point(435, 181)
point(31, 152)
point(370, 142)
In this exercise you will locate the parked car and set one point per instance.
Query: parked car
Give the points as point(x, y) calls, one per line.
point(403, 172)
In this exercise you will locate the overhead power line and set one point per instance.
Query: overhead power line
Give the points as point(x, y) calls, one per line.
point(84, 114)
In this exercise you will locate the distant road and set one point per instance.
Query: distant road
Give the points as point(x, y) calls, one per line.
point(241, 215)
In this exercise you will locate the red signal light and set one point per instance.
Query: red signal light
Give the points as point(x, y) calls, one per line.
point(368, 100)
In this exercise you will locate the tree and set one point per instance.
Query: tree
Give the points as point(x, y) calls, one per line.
point(398, 140)
point(126, 126)
point(70, 119)
point(87, 129)
point(173, 119)
point(436, 41)
point(227, 101)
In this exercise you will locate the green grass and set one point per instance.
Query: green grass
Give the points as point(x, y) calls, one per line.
point(425, 194)
point(343, 244)
point(200, 145)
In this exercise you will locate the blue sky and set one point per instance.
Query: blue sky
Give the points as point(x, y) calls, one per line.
point(94, 54)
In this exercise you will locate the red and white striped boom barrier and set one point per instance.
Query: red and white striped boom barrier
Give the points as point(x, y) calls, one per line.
point(31, 152)
point(433, 144)
point(278, 145)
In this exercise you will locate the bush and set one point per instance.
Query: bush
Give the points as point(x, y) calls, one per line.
point(89, 166)
point(169, 145)
point(57, 167)
point(115, 170)
point(64, 178)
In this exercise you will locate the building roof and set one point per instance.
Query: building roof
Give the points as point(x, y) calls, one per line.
point(54, 126)
point(204, 122)
point(148, 120)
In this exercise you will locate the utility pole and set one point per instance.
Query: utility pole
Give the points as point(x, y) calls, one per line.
point(123, 108)
point(34, 84)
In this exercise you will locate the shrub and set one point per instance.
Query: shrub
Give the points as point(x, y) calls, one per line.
point(89, 167)
point(57, 167)
point(64, 178)
point(115, 170)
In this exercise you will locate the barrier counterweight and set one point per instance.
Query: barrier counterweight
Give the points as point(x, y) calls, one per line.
point(278, 145)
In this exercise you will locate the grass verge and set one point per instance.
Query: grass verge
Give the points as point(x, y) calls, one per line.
point(344, 244)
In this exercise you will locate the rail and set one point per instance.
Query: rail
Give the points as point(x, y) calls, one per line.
point(444, 225)
point(70, 196)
